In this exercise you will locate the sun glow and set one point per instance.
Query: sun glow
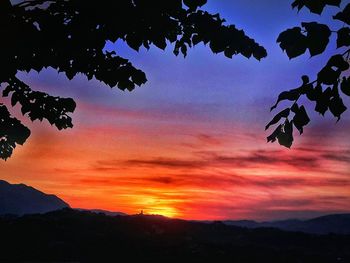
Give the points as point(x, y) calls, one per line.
point(153, 205)
point(163, 211)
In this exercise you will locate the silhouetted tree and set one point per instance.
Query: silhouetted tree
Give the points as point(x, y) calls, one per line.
point(324, 89)
point(70, 35)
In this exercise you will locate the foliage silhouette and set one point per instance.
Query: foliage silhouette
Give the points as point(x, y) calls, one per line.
point(324, 91)
point(69, 36)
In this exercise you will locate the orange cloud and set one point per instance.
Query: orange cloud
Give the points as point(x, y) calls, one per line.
point(132, 160)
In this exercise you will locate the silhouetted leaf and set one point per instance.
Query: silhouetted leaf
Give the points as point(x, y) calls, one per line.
point(339, 62)
point(293, 42)
point(312, 93)
point(139, 77)
point(272, 137)
point(12, 132)
point(196, 39)
point(39, 105)
point(287, 95)
point(160, 42)
point(317, 37)
point(68, 104)
point(14, 99)
point(285, 137)
point(259, 53)
point(344, 15)
point(322, 101)
point(315, 6)
point(300, 118)
point(194, 4)
point(337, 107)
point(134, 41)
point(277, 118)
point(7, 91)
point(343, 37)
point(305, 79)
point(345, 86)
point(328, 75)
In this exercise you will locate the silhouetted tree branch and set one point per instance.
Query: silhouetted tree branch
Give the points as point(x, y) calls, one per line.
point(69, 36)
point(324, 90)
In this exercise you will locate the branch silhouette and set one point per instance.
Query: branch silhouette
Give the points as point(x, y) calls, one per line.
point(324, 90)
point(69, 36)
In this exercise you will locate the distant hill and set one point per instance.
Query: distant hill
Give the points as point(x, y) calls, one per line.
point(337, 223)
point(101, 211)
point(76, 236)
point(20, 199)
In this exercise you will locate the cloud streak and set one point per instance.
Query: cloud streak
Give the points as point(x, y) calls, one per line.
point(260, 158)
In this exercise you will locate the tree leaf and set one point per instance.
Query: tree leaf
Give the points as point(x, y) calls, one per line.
point(283, 133)
point(339, 62)
point(134, 41)
point(287, 95)
point(194, 4)
point(293, 42)
point(315, 6)
point(12, 132)
point(285, 137)
point(343, 39)
point(196, 39)
point(317, 37)
point(328, 76)
point(322, 101)
point(283, 114)
point(344, 15)
point(259, 53)
point(273, 136)
point(7, 91)
point(337, 107)
point(300, 118)
point(345, 86)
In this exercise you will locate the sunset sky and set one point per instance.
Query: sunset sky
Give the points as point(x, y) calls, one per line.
point(191, 142)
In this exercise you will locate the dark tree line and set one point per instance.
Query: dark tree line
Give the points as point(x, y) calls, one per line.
point(70, 35)
point(73, 236)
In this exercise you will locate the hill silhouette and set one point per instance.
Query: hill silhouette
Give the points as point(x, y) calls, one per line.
point(102, 211)
point(71, 235)
point(337, 223)
point(20, 199)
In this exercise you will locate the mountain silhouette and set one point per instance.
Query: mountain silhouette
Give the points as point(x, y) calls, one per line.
point(101, 211)
point(337, 224)
point(20, 199)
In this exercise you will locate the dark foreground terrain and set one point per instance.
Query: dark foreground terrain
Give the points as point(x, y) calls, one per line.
point(76, 236)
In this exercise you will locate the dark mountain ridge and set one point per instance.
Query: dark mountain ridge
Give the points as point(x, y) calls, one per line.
point(20, 199)
point(336, 223)
point(101, 211)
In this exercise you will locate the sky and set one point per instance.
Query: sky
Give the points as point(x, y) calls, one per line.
point(190, 143)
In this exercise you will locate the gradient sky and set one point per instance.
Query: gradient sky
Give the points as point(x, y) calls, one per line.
point(191, 142)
